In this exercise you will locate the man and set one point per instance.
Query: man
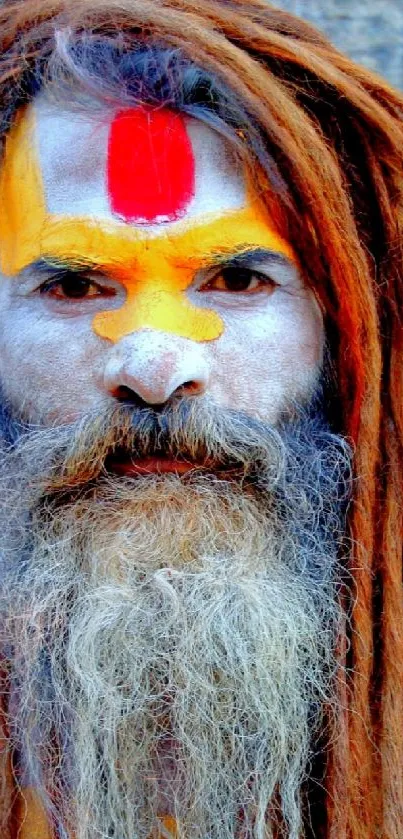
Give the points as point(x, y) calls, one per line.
point(200, 303)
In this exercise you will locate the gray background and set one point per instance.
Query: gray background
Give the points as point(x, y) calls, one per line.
point(370, 31)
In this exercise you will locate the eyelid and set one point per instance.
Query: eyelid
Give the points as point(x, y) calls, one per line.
point(214, 272)
point(94, 278)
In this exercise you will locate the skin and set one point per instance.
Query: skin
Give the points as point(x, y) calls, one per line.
point(58, 360)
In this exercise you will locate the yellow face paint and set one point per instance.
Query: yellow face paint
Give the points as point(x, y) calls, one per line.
point(156, 270)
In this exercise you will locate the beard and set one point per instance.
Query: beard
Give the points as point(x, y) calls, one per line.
point(171, 638)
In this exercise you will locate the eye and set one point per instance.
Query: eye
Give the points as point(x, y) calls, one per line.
point(234, 279)
point(74, 286)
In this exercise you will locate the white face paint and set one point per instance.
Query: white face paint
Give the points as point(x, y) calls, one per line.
point(73, 152)
point(208, 302)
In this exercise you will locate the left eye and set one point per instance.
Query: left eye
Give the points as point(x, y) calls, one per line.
point(238, 280)
point(71, 286)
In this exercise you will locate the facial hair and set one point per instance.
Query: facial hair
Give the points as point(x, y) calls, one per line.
point(171, 638)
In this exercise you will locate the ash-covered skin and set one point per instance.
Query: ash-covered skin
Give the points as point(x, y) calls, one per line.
point(214, 263)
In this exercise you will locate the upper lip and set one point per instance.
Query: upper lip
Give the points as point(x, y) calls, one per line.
point(124, 463)
point(157, 462)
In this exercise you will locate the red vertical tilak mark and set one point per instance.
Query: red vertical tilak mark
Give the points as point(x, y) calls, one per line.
point(150, 165)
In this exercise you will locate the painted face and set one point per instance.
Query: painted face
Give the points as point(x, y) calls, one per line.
point(149, 214)
point(138, 228)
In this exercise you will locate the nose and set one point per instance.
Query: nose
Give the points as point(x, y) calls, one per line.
point(155, 366)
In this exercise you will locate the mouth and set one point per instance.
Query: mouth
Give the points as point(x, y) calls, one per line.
point(154, 465)
point(128, 465)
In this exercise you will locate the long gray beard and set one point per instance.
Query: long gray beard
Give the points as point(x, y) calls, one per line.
point(171, 640)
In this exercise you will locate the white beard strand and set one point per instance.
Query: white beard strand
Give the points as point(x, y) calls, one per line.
point(176, 643)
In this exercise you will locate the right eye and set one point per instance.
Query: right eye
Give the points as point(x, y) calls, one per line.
point(75, 286)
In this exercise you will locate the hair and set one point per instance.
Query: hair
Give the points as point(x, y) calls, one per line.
point(325, 137)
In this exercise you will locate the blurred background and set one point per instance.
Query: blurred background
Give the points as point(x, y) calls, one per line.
point(370, 31)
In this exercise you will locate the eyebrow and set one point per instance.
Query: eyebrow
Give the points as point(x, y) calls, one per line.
point(50, 263)
point(240, 258)
point(243, 256)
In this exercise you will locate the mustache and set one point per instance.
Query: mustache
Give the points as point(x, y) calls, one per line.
point(78, 453)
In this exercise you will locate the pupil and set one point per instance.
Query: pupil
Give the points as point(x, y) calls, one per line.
point(75, 286)
point(236, 279)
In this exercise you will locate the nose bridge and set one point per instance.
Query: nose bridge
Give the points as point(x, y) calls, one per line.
point(155, 278)
point(155, 365)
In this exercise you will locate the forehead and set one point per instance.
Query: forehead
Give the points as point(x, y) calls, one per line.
point(140, 166)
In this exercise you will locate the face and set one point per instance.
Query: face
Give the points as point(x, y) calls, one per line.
point(138, 263)
point(136, 258)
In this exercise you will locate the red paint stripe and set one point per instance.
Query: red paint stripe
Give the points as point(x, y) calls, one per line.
point(150, 165)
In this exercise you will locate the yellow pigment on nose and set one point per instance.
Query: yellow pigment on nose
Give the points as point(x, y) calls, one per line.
point(156, 297)
point(156, 271)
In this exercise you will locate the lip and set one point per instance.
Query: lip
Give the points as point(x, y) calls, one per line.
point(153, 465)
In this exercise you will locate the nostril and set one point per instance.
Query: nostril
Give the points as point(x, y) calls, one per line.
point(188, 388)
point(129, 397)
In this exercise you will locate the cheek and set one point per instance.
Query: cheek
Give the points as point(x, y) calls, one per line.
point(49, 371)
point(266, 359)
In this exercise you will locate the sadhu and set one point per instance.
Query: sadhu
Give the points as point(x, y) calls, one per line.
point(201, 425)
